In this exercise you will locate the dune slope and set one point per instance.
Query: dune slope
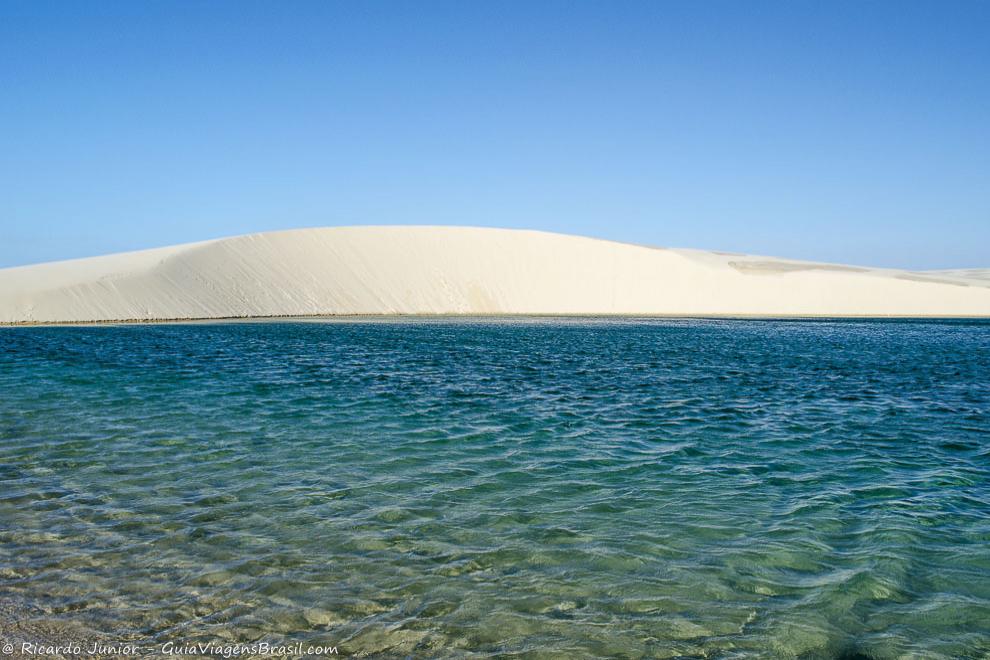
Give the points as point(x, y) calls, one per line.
point(461, 270)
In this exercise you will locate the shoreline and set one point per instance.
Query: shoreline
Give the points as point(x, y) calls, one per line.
point(351, 318)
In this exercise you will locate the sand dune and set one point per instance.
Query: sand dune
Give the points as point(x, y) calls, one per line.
point(460, 270)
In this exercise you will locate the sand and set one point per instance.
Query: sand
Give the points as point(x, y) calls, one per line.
point(463, 270)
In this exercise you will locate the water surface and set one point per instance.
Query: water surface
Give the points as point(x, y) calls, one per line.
point(541, 488)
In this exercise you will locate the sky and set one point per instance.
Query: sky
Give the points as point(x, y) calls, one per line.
point(850, 132)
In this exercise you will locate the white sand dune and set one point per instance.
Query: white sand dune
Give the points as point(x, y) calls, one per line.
point(462, 270)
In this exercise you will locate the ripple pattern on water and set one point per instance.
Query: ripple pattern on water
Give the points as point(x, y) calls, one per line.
point(633, 488)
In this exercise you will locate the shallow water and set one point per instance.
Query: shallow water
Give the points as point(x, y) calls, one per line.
point(554, 488)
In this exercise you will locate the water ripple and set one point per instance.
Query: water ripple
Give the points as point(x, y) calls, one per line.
point(583, 488)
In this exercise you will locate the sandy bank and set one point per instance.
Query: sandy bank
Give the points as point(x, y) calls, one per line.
point(462, 270)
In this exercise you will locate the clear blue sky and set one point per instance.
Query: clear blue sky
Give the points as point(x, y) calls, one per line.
point(851, 132)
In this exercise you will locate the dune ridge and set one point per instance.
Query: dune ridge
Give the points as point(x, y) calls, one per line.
point(463, 270)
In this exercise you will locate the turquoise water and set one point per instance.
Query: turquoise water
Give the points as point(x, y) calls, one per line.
point(541, 488)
